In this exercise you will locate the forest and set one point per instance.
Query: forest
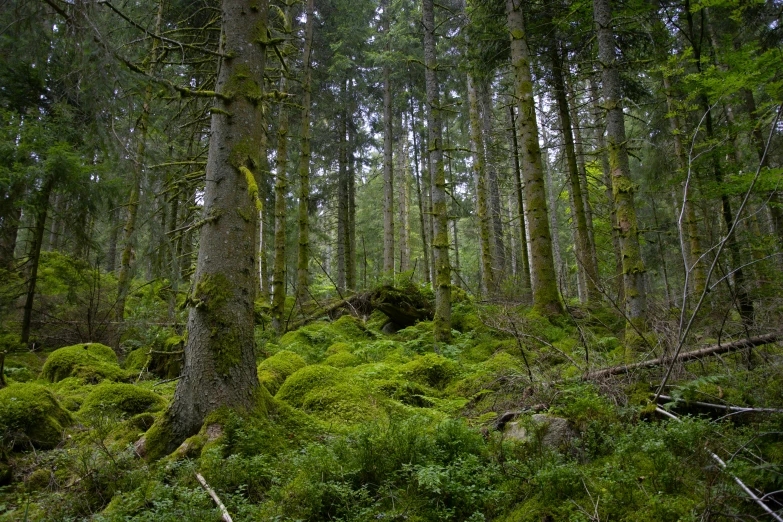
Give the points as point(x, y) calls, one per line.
point(353, 260)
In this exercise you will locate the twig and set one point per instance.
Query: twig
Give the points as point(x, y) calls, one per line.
point(722, 465)
point(738, 409)
point(226, 517)
point(164, 381)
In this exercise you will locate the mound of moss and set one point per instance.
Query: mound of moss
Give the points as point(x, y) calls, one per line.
point(343, 403)
point(30, 413)
point(309, 378)
point(342, 360)
point(92, 362)
point(273, 371)
point(122, 398)
point(430, 369)
point(137, 360)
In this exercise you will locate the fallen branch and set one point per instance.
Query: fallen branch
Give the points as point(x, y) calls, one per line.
point(226, 517)
point(722, 407)
point(715, 349)
point(722, 465)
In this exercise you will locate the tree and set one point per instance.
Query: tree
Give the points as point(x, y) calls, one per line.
point(220, 366)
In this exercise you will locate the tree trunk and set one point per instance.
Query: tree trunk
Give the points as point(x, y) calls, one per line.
point(281, 192)
point(584, 258)
point(440, 237)
point(498, 247)
point(622, 185)
point(262, 247)
point(350, 263)
point(342, 203)
point(388, 167)
point(420, 199)
point(403, 199)
point(303, 254)
point(219, 364)
point(523, 253)
point(480, 177)
point(39, 228)
point(542, 268)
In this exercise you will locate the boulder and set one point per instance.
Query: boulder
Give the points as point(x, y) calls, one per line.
point(550, 431)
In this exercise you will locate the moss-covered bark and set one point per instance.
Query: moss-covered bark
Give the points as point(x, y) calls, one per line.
point(281, 191)
point(542, 267)
point(524, 265)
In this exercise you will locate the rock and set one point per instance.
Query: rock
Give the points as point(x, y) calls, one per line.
point(390, 328)
point(30, 414)
point(91, 362)
point(555, 432)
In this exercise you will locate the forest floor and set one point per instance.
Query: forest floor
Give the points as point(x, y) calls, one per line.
point(498, 425)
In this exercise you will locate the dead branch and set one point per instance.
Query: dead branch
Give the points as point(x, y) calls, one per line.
point(723, 407)
point(225, 517)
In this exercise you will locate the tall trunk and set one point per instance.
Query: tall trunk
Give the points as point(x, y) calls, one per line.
point(303, 255)
point(388, 167)
point(598, 124)
point(480, 177)
point(111, 254)
point(39, 227)
point(342, 203)
point(350, 263)
point(587, 270)
point(403, 198)
point(123, 278)
point(690, 235)
point(520, 208)
point(420, 199)
point(219, 365)
point(622, 185)
point(10, 214)
point(262, 247)
point(281, 192)
point(542, 267)
point(498, 248)
point(440, 237)
point(552, 197)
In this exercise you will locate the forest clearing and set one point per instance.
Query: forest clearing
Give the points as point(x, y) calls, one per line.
point(353, 260)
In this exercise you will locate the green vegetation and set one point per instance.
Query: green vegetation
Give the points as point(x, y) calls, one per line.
point(91, 362)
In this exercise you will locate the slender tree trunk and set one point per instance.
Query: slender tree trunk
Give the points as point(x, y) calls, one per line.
point(498, 247)
point(420, 199)
point(279, 268)
point(262, 247)
point(542, 268)
point(622, 185)
point(480, 177)
point(342, 203)
point(35, 256)
point(520, 208)
point(403, 198)
point(388, 167)
point(350, 263)
point(303, 255)
point(440, 241)
point(588, 274)
point(220, 364)
point(111, 254)
point(690, 235)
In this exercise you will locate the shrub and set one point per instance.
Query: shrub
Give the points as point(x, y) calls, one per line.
point(91, 362)
point(29, 412)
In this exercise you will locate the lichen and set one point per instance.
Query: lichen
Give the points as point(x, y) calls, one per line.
point(91, 362)
point(29, 413)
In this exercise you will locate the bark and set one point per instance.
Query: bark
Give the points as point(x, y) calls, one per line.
point(220, 365)
point(520, 208)
point(690, 233)
point(34, 257)
point(281, 192)
point(403, 199)
point(498, 248)
point(440, 236)
point(111, 255)
point(480, 177)
point(262, 247)
point(622, 185)
point(420, 199)
point(342, 203)
point(584, 258)
point(542, 268)
point(388, 167)
point(303, 254)
point(598, 123)
point(350, 263)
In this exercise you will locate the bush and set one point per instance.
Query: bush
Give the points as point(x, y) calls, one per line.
point(126, 399)
point(29, 412)
point(91, 362)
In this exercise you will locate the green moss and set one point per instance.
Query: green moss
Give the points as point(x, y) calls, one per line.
point(337, 348)
point(351, 329)
point(121, 398)
point(158, 438)
point(342, 360)
point(243, 83)
point(309, 378)
point(273, 371)
point(343, 403)
point(137, 360)
point(91, 362)
point(430, 369)
point(30, 413)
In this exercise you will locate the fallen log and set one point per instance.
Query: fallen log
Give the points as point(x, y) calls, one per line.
point(715, 349)
point(723, 407)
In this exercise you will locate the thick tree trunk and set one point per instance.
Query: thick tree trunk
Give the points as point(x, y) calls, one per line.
point(480, 177)
point(303, 254)
point(520, 208)
point(220, 367)
point(622, 185)
point(542, 268)
point(584, 259)
point(440, 236)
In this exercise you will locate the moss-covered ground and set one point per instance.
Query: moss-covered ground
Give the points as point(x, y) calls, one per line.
point(372, 426)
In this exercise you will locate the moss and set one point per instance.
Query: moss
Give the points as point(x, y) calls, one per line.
point(337, 348)
point(158, 438)
point(243, 83)
point(137, 360)
point(273, 371)
point(252, 188)
point(351, 329)
point(407, 392)
point(30, 412)
point(342, 360)
point(298, 385)
point(311, 341)
point(91, 362)
point(344, 403)
point(209, 296)
point(430, 369)
point(121, 398)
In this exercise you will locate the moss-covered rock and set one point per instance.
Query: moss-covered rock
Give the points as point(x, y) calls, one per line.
point(29, 413)
point(430, 369)
point(342, 360)
point(309, 378)
point(125, 399)
point(137, 360)
point(343, 403)
point(273, 371)
point(91, 362)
